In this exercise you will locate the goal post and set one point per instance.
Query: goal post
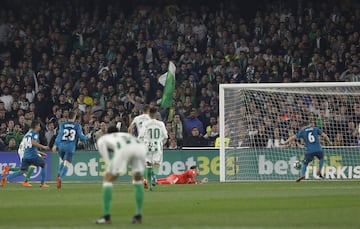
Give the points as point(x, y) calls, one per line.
point(255, 118)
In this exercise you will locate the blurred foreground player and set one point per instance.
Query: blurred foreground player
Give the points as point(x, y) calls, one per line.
point(118, 151)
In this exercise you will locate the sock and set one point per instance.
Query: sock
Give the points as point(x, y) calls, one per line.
point(148, 172)
point(321, 164)
point(154, 173)
point(15, 174)
point(61, 166)
point(303, 169)
point(63, 172)
point(106, 197)
point(29, 173)
point(43, 175)
point(139, 196)
point(14, 169)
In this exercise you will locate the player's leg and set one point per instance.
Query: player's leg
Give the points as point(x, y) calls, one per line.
point(61, 166)
point(307, 159)
point(138, 177)
point(320, 156)
point(28, 175)
point(67, 159)
point(172, 179)
point(137, 168)
point(7, 169)
point(107, 189)
point(148, 172)
point(42, 164)
point(154, 173)
point(107, 186)
point(67, 163)
point(163, 181)
point(23, 168)
point(157, 160)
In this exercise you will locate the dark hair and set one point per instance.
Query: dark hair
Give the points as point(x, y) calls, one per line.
point(72, 114)
point(145, 108)
point(153, 110)
point(304, 123)
point(34, 123)
point(193, 167)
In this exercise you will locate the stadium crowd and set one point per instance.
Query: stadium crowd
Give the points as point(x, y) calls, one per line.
point(102, 59)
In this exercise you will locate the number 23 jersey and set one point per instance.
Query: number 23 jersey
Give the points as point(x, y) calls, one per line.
point(68, 134)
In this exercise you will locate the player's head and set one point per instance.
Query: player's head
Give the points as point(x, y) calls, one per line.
point(153, 112)
point(72, 116)
point(196, 169)
point(304, 124)
point(112, 129)
point(35, 125)
point(146, 109)
point(193, 167)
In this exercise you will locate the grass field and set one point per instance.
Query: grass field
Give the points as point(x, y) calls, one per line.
point(319, 204)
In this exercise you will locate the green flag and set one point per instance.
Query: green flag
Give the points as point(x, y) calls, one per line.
point(168, 80)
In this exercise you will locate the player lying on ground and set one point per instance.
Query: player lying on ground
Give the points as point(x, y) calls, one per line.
point(187, 177)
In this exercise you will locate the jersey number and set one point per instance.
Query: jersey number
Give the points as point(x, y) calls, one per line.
point(27, 143)
point(154, 133)
point(311, 137)
point(69, 135)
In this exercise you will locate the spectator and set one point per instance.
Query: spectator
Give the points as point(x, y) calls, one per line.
point(212, 134)
point(97, 109)
point(50, 132)
point(11, 145)
point(6, 98)
point(193, 121)
point(178, 129)
point(173, 144)
point(266, 47)
point(101, 131)
point(275, 141)
point(195, 139)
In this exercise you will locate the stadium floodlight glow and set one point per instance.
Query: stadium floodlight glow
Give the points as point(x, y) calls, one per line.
point(276, 109)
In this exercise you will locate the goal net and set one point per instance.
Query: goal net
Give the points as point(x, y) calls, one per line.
point(256, 118)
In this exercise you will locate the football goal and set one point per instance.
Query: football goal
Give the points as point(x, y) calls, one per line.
point(255, 118)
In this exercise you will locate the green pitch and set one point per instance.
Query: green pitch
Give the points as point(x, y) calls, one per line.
point(318, 204)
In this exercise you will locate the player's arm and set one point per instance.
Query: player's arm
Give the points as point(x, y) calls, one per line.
point(290, 139)
point(82, 136)
point(38, 145)
point(59, 135)
point(203, 181)
point(165, 134)
point(131, 128)
point(326, 138)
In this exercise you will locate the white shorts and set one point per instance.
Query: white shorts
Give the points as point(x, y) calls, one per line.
point(154, 157)
point(132, 154)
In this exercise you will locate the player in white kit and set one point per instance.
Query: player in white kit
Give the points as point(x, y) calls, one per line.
point(137, 122)
point(153, 133)
point(118, 151)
